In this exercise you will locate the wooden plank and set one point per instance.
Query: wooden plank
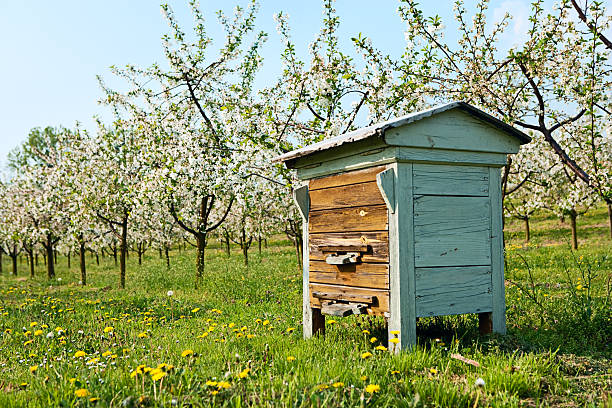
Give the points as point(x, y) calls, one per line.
point(442, 179)
point(379, 308)
point(302, 200)
point(453, 129)
point(386, 184)
point(348, 297)
point(401, 274)
point(343, 179)
point(497, 252)
point(453, 290)
point(365, 275)
point(344, 248)
point(445, 156)
point(377, 243)
point(359, 159)
point(369, 218)
point(363, 147)
point(352, 195)
point(451, 231)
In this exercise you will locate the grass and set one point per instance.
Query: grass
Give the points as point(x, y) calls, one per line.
point(237, 341)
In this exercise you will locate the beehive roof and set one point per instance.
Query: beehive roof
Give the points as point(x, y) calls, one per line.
point(380, 128)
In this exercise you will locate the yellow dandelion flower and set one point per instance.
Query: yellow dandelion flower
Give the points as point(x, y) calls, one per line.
point(393, 372)
point(244, 373)
point(372, 388)
point(331, 322)
point(211, 383)
point(108, 329)
point(94, 400)
point(338, 384)
point(28, 342)
point(363, 377)
point(250, 336)
point(223, 384)
point(72, 380)
point(373, 340)
point(197, 309)
point(322, 387)
point(33, 324)
point(395, 332)
point(187, 353)
point(214, 392)
point(433, 371)
point(33, 369)
point(80, 353)
point(367, 354)
point(381, 348)
point(38, 333)
point(290, 358)
point(231, 325)
point(159, 375)
point(365, 331)
point(142, 335)
point(290, 329)
point(394, 340)
point(81, 392)
point(266, 322)
point(106, 353)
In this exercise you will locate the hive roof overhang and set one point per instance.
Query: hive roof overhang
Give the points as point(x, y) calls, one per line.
point(379, 129)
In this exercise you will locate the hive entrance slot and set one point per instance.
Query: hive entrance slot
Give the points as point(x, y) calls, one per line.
point(332, 308)
point(343, 304)
point(343, 254)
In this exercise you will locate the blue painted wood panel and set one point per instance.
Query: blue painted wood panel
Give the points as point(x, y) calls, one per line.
point(453, 290)
point(451, 231)
point(438, 179)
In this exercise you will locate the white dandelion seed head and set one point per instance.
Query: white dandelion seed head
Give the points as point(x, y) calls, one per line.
point(479, 382)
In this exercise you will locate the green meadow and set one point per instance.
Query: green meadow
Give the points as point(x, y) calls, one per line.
point(238, 341)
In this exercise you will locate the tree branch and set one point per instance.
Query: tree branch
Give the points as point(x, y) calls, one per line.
point(592, 27)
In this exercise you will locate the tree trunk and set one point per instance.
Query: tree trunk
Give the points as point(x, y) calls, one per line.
point(259, 243)
point(31, 259)
point(161, 256)
point(50, 253)
point(227, 243)
point(527, 231)
point(36, 259)
point(298, 249)
point(610, 218)
point(55, 257)
point(45, 258)
point(14, 259)
point(123, 250)
point(266, 243)
point(139, 251)
point(68, 256)
point(115, 253)
point(245, 247)
point(82, 263)
point(573, 216)
point(201, 248)
point(97, 258)
point(166, 252)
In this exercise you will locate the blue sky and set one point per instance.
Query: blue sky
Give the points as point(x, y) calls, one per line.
point(53, 50)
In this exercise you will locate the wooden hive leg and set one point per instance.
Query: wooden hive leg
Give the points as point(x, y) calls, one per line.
point(314, 322)
point(485, 322)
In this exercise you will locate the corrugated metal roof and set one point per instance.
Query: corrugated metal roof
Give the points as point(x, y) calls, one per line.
point(380, 128)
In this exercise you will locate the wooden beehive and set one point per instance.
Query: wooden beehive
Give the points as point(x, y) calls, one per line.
point(403, 219)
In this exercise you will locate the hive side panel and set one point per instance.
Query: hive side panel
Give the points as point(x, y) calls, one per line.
point(451, 231)
point(453, 290)
point(438, 179)
point(497, 250)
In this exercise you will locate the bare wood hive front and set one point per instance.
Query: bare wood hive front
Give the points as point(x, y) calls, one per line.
point(404, 219)
point(348, 242)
